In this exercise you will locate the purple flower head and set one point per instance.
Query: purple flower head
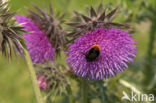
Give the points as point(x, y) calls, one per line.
point(101, 53)
point(43, 82)
point(38, 45)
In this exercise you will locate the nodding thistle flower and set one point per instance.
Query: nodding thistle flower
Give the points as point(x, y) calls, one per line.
point(51, 25)
point(100, 50)
point(10, 32)
point(38, 45)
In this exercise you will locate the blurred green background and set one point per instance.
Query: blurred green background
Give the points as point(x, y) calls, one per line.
point(15, 83)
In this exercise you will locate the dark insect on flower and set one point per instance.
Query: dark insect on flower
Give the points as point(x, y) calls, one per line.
point(108, 52)
point(10, 32)
point(93, 53)
point(82, 24)
point(50, 24)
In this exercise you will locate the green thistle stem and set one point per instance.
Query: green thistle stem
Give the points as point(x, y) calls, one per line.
point(84, 91)
point(33, 77)
point(102, 92)
point(70, 98)
point(148, 68)
point(68, 88)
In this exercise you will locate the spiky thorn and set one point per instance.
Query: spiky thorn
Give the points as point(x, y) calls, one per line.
point(49, 23)
point(93, 21)
point(11, 40)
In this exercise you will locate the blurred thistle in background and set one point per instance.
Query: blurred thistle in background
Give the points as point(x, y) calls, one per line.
point(45, 33)
point(10, 32)
point(38, 45)
point(50, 22)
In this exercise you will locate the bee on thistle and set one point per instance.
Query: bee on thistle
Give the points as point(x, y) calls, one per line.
point(98, 47)
point(93, 53)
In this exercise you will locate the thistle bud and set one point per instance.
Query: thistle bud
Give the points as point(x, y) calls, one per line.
point(10, 32)
point(43, 82)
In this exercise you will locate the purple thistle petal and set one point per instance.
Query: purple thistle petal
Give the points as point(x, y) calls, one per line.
point(117, 49)
point(38, 45)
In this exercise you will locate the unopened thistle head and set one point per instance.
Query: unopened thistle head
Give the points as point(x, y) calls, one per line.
point(38, 45)
point(100, 49)
point(43, 82)
point(50, 23)
point(51, 75)
point(82, 24)
point(10, 32)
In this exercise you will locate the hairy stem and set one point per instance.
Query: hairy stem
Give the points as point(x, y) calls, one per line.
point(102, 91)
point(84, 90)
point(68, 88)
point(33, 78)
point(148, 67)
